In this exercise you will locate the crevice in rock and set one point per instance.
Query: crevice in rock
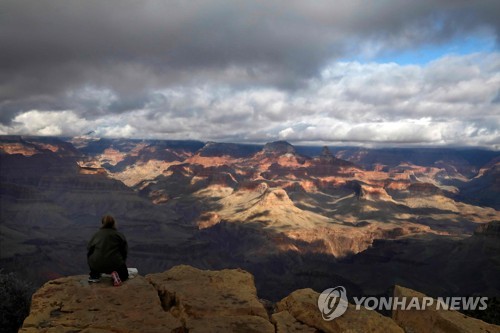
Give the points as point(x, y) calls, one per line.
point(269, 306)
point(58, 312)
point(167, 299)
point(275, 324)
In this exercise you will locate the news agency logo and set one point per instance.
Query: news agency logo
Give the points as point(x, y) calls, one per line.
point(332, 303)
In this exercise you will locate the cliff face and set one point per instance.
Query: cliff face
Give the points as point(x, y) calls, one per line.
point(186, 299)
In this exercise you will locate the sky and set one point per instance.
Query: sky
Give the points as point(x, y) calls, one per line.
point(389, 73)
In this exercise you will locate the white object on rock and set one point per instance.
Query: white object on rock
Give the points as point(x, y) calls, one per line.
point(132, 272)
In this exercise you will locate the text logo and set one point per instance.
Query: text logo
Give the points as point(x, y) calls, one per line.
point(332, 303)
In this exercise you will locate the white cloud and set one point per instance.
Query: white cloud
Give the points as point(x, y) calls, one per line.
point(55, 123)
point(287, 132)
point(447, 102)
point(117, 131)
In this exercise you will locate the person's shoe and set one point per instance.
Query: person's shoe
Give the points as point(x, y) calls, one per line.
point(116, 279)
point(93, 280)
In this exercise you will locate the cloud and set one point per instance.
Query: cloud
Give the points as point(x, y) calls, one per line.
point(246, 71)
point(287, 132)
point(47, 123)
point(62, 123)
point(350, 103)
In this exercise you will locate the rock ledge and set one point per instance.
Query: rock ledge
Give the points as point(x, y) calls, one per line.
point(185, 299)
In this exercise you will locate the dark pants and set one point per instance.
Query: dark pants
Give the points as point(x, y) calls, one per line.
point(122, 272)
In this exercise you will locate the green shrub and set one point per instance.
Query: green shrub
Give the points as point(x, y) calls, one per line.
point(15, 300)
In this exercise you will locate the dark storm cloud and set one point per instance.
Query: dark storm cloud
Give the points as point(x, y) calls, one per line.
point(247, 70)
point(50, 47)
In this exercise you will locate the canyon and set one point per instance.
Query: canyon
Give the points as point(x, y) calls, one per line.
point(293, 216)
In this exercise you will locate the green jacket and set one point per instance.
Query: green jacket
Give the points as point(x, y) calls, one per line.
point(107, 250)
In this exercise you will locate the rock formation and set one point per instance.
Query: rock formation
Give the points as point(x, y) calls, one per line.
point(295, 217)
point(279, 148)
point(183, 299)
point(302, 305)
point(212, 301)
point(187, 299)
point(436, 320)
point(70, 304)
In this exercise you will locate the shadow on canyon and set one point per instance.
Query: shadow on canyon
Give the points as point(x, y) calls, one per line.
point(49, 212)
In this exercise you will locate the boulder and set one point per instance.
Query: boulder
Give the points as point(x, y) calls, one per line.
point(71, 304)
point(212, 301)
point(186, 299)
point(302, 305)
point(181, 299)
point(433, 320)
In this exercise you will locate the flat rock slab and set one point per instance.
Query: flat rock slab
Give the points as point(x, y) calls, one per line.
point(212, 301)
point(71, 304)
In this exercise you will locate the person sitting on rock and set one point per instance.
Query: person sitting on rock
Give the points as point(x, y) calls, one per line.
point(107, 253)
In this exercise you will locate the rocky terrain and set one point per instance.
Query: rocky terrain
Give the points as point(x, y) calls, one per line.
point(294, 217)
point(186, 299)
